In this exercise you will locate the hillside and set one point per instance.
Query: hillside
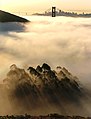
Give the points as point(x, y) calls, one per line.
point(49, 116)
point(8, 17)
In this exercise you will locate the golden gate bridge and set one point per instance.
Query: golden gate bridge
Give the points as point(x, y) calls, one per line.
point(52, 11)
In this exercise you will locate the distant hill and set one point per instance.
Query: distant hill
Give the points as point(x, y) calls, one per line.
point(8, 17)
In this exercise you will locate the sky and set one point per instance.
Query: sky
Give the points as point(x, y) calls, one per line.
point(42, 5)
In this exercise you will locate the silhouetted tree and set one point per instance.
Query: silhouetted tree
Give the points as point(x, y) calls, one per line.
point(46, 67)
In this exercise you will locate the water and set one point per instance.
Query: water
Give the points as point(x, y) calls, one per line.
point(63, 41)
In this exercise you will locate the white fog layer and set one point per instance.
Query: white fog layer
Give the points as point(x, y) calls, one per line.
point(59, 41)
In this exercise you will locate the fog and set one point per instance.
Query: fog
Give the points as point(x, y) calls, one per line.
point(63, 41)
point(59, 41)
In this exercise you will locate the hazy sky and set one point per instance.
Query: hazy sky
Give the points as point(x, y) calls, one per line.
point(42, 5)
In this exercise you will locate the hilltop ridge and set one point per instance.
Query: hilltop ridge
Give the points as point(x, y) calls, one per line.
point(8, 17)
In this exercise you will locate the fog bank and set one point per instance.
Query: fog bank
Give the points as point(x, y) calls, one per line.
point(60, 41)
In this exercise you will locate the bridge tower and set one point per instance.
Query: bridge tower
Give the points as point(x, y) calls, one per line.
point(53, 11)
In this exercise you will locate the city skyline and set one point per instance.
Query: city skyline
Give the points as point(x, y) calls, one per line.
point(33, 6)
